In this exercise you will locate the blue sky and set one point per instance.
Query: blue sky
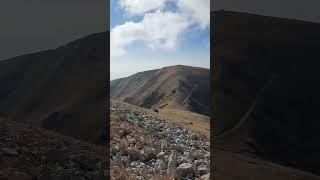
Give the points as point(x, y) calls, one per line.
point(151, 34)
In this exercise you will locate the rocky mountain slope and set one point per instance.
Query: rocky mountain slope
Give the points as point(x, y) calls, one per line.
point(62, 89)
point(28, 152)
point(175, 87)
point(147, 146)
point(266, 88)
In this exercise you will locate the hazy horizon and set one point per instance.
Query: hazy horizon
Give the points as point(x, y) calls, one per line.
point(158, 34)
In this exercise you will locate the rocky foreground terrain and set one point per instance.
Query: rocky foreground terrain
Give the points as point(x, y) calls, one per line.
point(28, 153)
point(146, 146)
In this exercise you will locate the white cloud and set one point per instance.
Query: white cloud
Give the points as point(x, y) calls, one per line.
point(159, 30)
point(139, 7)
point(162, 29)
point(123, 35)
point(197, 10)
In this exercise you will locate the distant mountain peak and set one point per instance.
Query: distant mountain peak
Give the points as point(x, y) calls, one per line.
point(177, 87)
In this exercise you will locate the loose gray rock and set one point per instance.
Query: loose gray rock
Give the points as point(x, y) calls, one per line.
point(185, 170)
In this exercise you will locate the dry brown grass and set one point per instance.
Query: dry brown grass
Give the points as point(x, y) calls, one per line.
point(194, 122)
point(126, 131)
point(114, 130)
point(146, 142)
point(123, 145)
point(120, 174)
point(148, 151)
point(133, 153)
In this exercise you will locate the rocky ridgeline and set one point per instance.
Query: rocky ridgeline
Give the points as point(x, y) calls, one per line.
point(30, 153)
point(147, 146)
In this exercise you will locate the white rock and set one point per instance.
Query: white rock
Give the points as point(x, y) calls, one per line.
point(160, 155)
point(172, 163)
point(205, 177)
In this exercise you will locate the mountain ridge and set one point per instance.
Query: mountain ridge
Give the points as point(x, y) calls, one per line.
point(165, 87)
point(59, 88)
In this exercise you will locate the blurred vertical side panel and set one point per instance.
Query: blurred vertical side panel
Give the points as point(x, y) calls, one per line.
point(54, 85)
point(266, 92)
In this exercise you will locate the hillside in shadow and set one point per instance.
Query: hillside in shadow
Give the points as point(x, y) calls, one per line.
point(61, 89)
point(266, 88)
